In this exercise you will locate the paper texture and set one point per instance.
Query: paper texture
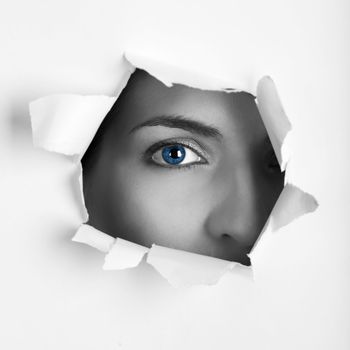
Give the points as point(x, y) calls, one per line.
point(275, 119)
point(57, 121)
point(67, 124)
point(184, 269)
point(94, 238)
point(123, 255)
point(171, 73)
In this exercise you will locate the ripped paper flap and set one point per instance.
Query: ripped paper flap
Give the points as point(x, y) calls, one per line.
point(123, 255)
point(292, 203)
point(184, 269)
point(180, 268)
point(94, 238)
point(275, 119)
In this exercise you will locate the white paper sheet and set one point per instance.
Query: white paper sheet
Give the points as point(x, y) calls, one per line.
point(94, 238)
point(184, 269)
point(68, 123)
point(57, 121)
point(123, 255)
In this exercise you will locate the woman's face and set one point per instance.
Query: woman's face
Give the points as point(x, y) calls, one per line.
point(183, 168)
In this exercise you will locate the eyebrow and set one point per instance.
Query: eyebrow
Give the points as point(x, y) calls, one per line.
point(180, 122)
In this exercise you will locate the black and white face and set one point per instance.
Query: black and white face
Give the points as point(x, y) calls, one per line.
point(183, 168)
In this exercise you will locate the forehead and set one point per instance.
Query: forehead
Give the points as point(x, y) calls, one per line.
point(145, 97)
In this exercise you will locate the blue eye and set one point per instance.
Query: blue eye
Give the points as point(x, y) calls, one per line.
point(177, 155)
point(173, 154)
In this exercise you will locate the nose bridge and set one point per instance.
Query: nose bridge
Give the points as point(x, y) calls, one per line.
point(234, 213)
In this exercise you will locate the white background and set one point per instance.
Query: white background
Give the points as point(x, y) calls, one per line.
point(54, 294)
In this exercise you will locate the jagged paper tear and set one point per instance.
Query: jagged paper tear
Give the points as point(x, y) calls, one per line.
point(67, 124)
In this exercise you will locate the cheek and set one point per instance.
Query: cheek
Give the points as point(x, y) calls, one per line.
point(162, 206)
point(271, 185)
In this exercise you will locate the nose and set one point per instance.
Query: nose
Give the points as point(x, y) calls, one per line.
point(234, 215)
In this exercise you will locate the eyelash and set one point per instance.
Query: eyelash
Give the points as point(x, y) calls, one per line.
point(187, 144)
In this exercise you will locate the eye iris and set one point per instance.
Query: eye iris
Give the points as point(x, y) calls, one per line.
point(173, 154)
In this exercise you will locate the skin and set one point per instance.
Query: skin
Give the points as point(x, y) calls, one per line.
point(215, 203)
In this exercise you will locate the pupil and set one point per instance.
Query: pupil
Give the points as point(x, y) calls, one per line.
point(175, 153)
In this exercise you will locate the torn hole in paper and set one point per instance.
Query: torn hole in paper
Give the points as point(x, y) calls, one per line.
point(217, 230)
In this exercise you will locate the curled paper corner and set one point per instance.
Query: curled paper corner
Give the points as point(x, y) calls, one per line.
point(120, 254)
point(185, 269)
point(123, 255)
point(179, 268)
point(172, 73)
point(275, 119)
point(291, 204)
point(94, 238)
point(67, 123)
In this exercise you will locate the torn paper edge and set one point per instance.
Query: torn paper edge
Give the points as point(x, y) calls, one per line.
point(171, 73)
point(124, 254)
point(56, 126)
